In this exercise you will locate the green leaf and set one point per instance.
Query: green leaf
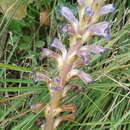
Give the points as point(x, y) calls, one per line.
point(17, 68)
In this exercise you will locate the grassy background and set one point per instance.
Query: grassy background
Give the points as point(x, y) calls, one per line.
point(103, 105)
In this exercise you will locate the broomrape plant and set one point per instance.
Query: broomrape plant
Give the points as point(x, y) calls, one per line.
point(80, 31)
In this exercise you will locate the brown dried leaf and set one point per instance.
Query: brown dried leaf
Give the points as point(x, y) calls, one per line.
point(44, 18)
point(69, 117)
point(37, 107)
point(9, 8)
point(68, 108)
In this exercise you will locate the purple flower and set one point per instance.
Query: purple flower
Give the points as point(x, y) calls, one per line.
point(82, 75)
point(88, 49)
point(100, 29)
point(85, 77)
point(96, 49)
point(67, 13)
point(58, 44)
point(50, 53)
point(106, 9)
point(42, 77)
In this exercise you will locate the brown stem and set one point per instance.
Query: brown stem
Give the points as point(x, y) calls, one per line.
point(49, 123)
point(57, 95)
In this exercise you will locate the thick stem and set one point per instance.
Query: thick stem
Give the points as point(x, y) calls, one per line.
point(57, 95)
point(49, 123)
point(54, 103)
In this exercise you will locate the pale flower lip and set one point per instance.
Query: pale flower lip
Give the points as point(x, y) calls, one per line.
point(67, 13)
point(106, 9)
point(89, 49)
point(58, 44)
point(86, 78)
point(100, 29)
point(50, 53)
point(86, 51)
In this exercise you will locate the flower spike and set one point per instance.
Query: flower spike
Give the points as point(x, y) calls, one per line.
point(79, 31)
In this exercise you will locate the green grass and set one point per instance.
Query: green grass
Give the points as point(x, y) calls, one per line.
point(103, 105)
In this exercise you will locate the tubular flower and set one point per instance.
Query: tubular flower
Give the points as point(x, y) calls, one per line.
point(91, 49)
point(100, 29)
point(106, 9)
point(49, 53)
point(67, 13)
point(58, 44)
point(82, 75)
point(85, 53)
